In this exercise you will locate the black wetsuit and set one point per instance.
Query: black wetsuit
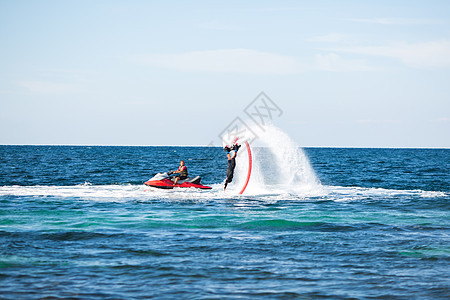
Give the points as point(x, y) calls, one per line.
point(230, 170)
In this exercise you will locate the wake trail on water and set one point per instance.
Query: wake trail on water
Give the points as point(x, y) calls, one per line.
point(126, 193)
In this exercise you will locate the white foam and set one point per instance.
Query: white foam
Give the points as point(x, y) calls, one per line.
point(339, 193)
point(124, 193)
point(84, 191)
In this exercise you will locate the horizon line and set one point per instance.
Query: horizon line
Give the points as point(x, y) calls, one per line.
point(216, 146)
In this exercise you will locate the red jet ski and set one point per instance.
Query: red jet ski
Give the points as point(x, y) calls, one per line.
point(164, 181)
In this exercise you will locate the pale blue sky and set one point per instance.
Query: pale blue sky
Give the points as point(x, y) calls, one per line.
point(345, 73)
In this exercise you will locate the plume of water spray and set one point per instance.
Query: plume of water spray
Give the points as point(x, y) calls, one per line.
point(279, 165)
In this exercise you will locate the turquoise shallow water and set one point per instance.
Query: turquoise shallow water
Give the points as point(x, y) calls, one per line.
point(77, 222)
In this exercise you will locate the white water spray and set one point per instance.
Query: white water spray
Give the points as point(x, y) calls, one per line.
point(279, 166)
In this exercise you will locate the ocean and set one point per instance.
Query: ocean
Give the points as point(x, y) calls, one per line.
point(77, 222)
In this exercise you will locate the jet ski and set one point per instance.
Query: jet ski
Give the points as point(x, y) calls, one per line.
point(164, 181)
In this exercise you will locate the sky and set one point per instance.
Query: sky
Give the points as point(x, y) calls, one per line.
point(342, 73)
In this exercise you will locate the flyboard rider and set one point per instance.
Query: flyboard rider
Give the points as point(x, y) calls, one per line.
point(231, 155)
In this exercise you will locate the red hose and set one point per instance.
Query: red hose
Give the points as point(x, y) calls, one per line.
point(249, 168)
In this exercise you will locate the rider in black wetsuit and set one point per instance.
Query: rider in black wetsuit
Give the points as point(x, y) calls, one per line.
point(231, 163)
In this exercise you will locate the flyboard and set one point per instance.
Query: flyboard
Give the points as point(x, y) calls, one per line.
point(249, 171)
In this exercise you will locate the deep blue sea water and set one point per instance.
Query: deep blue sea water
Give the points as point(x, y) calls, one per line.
point(78, 223)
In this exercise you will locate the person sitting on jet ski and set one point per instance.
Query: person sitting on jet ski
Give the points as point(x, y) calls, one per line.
point(182, 172)
point(231, 163)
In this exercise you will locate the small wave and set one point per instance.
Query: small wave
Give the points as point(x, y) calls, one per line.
point(7, 261)
point(276, 224)
point(146, 252)
point(427, 253)
point(77, 235)
point(282, 225)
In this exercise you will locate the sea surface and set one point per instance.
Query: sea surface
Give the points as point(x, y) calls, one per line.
point(77, 222)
